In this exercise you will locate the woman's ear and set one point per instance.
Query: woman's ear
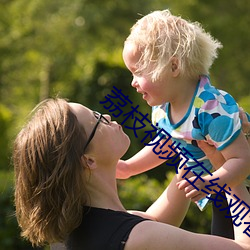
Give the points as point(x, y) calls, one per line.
point(89, 161)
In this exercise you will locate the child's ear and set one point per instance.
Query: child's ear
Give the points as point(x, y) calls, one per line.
point(175, 66)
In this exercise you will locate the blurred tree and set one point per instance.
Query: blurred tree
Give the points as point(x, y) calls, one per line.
point(5, 123)
point(72, 48)
point(228, 22)
point(51, 47)
point(244, 102)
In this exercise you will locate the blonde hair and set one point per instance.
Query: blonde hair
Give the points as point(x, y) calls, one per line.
point(160, 36)
point(49, 186)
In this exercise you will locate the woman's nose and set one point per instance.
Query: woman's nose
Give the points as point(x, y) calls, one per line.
point(108, 117)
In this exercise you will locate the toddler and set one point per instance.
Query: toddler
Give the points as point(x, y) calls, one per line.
point(170, 59)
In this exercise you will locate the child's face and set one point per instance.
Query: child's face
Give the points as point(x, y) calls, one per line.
point(152, 92)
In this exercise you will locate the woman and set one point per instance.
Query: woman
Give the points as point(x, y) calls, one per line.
point(65, 188)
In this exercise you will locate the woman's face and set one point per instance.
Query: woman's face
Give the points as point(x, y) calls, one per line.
point(109, 140)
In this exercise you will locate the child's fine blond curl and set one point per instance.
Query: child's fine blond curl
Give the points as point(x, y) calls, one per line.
point(161, 36)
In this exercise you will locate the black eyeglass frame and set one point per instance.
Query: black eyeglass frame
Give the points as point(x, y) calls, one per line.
point(100, 118)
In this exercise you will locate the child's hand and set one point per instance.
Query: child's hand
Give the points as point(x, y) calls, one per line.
point(191, 192)
point(122, 170)
point(245, 123)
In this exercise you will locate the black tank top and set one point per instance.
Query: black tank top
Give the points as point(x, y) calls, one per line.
point(102, 229)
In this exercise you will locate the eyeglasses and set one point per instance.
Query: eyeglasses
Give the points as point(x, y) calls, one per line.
point(100, 118)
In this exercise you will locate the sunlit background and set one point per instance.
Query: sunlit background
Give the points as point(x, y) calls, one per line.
point(72, 48)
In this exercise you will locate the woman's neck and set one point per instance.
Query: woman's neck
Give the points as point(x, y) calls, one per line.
point(102, 189)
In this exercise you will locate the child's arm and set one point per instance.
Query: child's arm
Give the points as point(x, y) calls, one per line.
point(144, 160)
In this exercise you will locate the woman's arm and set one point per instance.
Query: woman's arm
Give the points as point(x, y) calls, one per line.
point(171, 207)
point(160, 236)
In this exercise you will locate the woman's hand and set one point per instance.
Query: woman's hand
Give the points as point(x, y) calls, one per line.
point(216, 159)
point(245, 124)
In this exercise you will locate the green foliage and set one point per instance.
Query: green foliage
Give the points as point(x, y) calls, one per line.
point(227, 22)
point(73, 48)
point(245, 103)
point(139, 192)
point(197, 221)
point(5, 124)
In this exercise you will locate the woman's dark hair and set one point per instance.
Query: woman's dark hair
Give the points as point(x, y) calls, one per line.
point(49, 180)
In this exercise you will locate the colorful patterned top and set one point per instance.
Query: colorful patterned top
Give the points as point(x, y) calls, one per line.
point(213, 115)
